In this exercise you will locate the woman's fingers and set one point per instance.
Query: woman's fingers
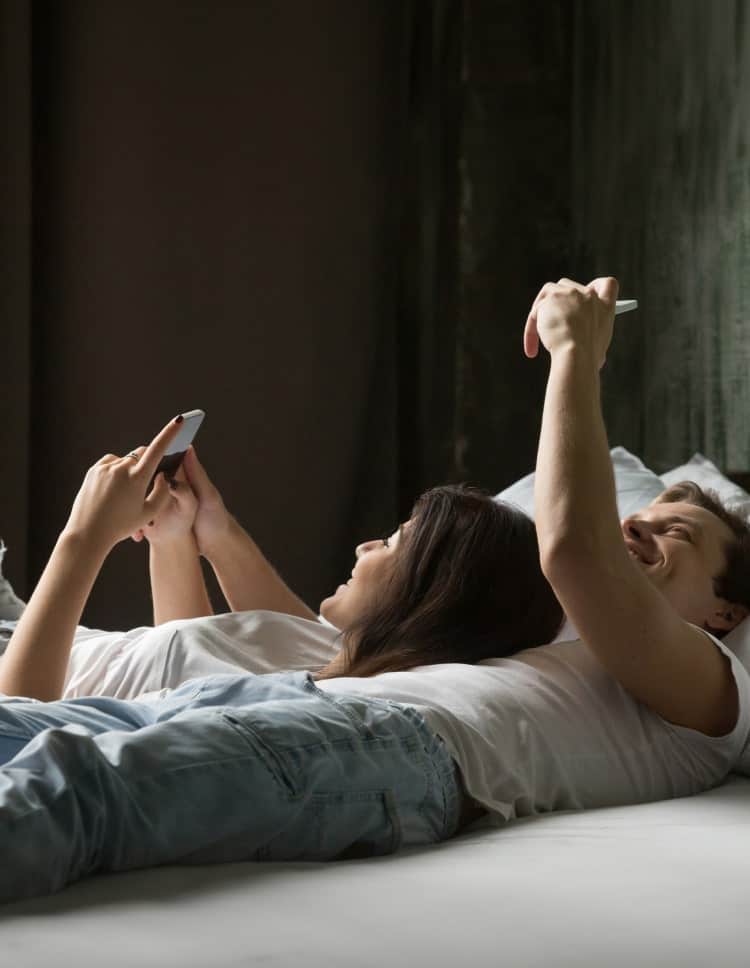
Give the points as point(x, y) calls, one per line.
point(136, 450)
point(149, 459)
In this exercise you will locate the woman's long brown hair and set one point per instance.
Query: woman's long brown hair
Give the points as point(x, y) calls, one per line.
point(466, 585)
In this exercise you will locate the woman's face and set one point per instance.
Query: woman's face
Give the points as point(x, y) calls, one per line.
point(371, 572)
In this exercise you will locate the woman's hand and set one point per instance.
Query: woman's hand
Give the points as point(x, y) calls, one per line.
point(212, 520)
point(112, 502)
point(567, 313)
point(176, 518)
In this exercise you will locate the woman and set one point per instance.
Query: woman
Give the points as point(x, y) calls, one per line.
point(233, 767)
point(457, 546)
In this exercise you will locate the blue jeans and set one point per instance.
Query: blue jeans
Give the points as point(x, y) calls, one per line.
point(225, 768)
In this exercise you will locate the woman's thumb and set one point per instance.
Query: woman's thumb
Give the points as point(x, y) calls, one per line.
point(159, 498)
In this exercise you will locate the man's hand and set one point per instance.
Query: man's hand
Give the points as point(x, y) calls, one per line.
point(567, 313)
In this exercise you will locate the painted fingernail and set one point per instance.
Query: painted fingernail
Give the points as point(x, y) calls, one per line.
point(179, 419)
point(173, 484)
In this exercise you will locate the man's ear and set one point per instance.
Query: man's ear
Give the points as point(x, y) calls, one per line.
point(727, 616)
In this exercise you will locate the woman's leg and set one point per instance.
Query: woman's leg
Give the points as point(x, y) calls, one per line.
point(21, 720)
point(256, 768)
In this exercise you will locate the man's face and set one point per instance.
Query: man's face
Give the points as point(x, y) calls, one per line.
point(680, 548)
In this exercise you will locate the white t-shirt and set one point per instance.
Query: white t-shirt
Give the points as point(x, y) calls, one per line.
point(548, 729)
point(148, 660)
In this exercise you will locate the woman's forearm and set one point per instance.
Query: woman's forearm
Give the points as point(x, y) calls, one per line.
point(178, 589)
point(36, 660)
point(248, 580)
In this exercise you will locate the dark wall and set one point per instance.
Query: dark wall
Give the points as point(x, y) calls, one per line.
point(215, 201)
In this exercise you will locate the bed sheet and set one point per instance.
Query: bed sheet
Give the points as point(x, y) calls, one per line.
point(655, 884)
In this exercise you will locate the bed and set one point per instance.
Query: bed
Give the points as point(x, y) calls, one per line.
point(652, 884)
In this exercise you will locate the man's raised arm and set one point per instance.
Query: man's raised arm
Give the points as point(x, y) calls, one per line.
point(662, 660)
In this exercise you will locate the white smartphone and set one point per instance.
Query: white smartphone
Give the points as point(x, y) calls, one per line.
point(625, 305)
point(169, 463)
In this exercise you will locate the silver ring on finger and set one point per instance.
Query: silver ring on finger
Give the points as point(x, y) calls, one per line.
point(134, 455)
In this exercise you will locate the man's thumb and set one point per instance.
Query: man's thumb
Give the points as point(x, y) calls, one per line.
point(607, 288)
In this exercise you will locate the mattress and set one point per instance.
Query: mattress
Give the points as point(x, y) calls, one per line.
point(655, 884)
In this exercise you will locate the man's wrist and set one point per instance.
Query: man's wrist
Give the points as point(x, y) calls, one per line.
point(571, 353)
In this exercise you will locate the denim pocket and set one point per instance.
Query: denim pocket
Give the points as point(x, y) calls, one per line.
point(271, 758)
point(339, 826)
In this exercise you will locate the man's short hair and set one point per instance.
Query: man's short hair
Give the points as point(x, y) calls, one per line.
point(733, 581)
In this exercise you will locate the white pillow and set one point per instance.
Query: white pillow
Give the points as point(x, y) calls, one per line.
point(706, 474)
point(635, 485)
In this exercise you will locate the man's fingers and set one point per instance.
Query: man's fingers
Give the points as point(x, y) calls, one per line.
point(530, 334)
point(530, 337)
point(543, 292)
point(606, 288)
point(571, 282)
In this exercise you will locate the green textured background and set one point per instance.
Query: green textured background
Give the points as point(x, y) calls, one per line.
point(661, 104)
point(607, 139)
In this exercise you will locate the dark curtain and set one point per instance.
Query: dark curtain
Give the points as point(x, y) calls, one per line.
point(514, 227)
point(429, 267)
point(661, 194)
point(15, 290)
point(226, 206)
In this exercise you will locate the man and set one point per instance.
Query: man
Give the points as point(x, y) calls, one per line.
point(639, 604)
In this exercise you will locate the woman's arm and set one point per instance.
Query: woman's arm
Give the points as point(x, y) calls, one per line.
point(36, 659)
point(247, 578)
point(178, 589)
point(177, 586)
point(110, 505)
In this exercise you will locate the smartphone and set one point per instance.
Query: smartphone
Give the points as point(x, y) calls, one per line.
point(625, 305)
point(169, 463)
